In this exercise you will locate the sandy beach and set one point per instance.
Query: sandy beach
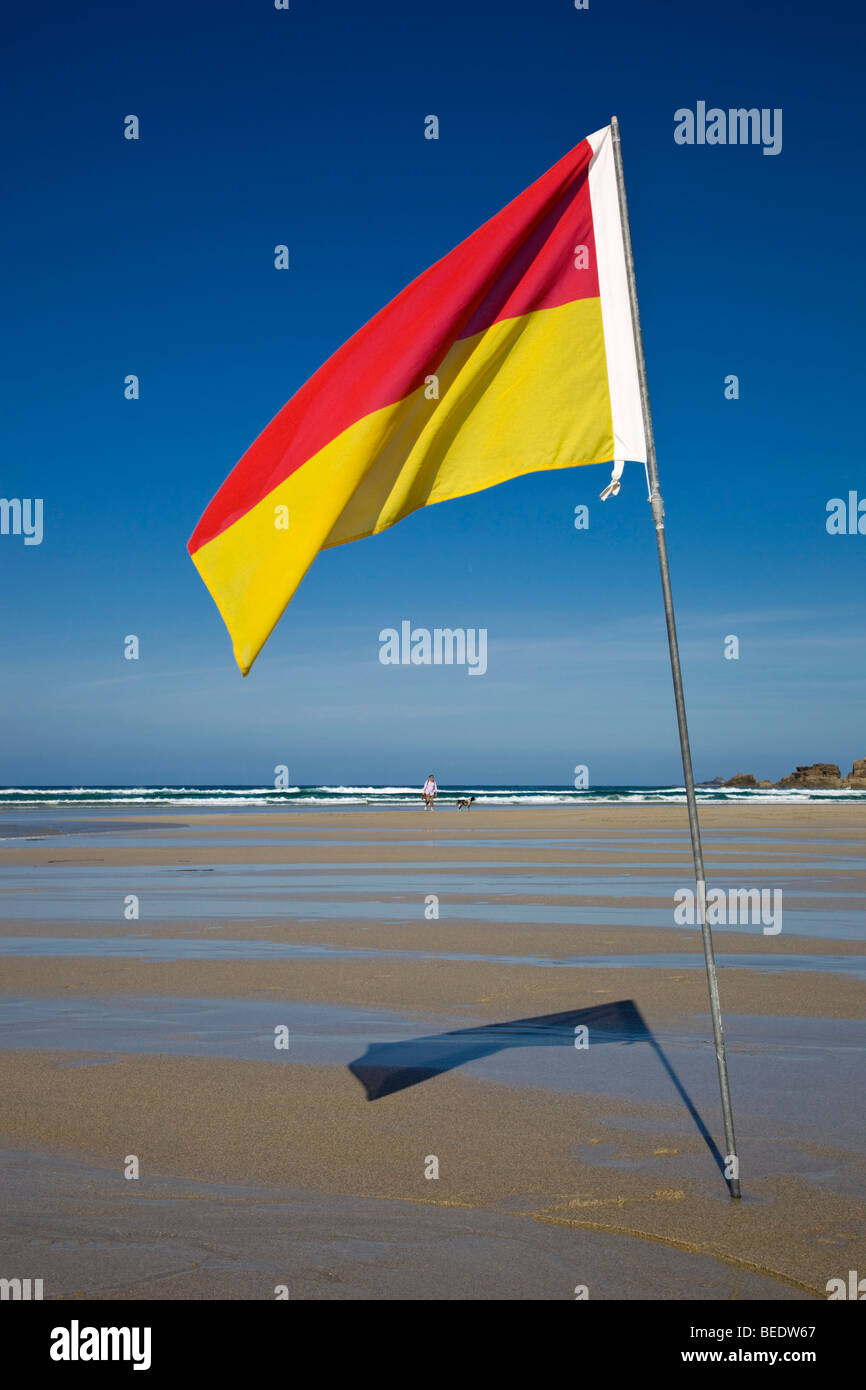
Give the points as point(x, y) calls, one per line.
point(292, 1019)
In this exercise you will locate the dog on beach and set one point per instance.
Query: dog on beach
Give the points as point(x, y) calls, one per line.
point(464, 802)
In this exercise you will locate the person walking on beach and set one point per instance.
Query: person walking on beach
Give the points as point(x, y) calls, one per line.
point(429, 792)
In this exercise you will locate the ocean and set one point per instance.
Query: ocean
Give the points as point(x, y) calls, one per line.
point(328, 797)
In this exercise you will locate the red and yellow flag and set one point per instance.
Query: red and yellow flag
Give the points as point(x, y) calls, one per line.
point(511, 355)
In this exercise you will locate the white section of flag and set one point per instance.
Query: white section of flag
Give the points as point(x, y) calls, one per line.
point(625, 406)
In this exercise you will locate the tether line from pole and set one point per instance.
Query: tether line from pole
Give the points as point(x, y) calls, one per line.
point(732, 1170)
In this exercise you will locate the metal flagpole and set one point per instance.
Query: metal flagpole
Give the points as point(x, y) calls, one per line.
point(732, 1171)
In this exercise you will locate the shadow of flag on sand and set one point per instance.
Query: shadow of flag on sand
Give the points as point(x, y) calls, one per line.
point(387, 1068)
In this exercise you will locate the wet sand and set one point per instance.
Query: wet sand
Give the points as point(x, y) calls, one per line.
point(413, 1037)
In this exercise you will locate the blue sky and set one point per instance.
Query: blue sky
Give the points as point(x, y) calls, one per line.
point(306, 127)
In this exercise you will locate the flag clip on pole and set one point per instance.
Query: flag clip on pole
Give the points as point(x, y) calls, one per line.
point(612, 489)
point(732, 1168)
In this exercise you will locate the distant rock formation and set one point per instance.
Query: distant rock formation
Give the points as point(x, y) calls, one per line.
point(814, 775)
point(857, 776)
point(825, 775)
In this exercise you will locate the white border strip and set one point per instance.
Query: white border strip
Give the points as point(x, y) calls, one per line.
point(625, 407)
